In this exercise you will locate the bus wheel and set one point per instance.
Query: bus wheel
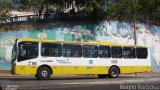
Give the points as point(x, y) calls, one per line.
point(43, 73)
point(102, 75)
point(113, 72)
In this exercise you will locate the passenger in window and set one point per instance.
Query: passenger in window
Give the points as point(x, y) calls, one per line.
point(77, 53)
point(100, 54)
point(53, 53)
point(119, 55)
point(87, 54)
point(103, 54)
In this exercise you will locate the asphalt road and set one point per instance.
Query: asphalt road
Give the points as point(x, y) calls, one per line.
point(124, 82)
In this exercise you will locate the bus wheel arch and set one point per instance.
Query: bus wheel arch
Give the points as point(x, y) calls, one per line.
point(113, 71)
point(43, 72)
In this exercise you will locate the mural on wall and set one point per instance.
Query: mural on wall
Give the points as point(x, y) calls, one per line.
point(115, 31)
point(6, 43)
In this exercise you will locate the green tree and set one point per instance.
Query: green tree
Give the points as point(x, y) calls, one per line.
point(5, 6)
point(125, 10)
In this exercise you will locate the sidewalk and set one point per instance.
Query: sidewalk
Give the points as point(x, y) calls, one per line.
point(4, 71)
point(150, 73)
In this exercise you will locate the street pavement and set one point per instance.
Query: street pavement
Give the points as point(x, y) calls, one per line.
point(150, 81)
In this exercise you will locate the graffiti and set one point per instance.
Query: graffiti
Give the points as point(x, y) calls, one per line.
point(115, 31)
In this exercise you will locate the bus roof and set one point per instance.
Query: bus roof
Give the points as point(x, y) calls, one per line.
point(110, 43)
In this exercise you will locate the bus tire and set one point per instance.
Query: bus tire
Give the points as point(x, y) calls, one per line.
point(113, 72)
point(102, 75)
point(43, 73)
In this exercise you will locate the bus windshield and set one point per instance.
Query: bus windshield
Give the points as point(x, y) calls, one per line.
point(14, 53)
point(27, 50)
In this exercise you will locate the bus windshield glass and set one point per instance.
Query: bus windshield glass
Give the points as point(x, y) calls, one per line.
point(14, 53)
point(27, 50)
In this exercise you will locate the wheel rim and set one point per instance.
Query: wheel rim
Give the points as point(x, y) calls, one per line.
point(114, 73)
point(44, 73)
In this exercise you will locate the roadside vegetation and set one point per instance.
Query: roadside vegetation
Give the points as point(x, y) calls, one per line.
point(5, 6)
point(129, 10)
point(146, 11)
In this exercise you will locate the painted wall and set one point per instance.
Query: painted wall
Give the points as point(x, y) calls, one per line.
point(106, 31)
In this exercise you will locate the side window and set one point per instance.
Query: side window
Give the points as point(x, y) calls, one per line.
point(129, 52)
point(116, 52)
point(72, 50)
point(141, 53)
point(104, 52)
point(77, 51)
point(90, 51)
point(27, 50)
point(67, 50)
point(51, 49)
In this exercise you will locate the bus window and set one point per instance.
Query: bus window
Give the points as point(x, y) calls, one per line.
point(90, 51)
point(77, 51)
point(27, 50)
point(51, 49)
point(72, 50)
point(116, 52)
point(104, 52)
point(67, 50)
point(129, 52)
point(141, 53)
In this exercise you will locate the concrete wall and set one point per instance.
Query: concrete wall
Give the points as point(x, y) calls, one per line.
point(107, 31)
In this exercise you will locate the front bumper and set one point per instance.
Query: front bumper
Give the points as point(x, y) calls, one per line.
point(12, 71)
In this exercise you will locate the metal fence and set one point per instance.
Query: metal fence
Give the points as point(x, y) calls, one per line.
point(50, 16)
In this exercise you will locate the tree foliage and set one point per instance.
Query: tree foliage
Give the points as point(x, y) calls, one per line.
point(5, 6)
point(128, 10)
point(139, 10)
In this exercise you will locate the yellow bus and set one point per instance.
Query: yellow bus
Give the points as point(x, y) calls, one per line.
point(44, 58)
